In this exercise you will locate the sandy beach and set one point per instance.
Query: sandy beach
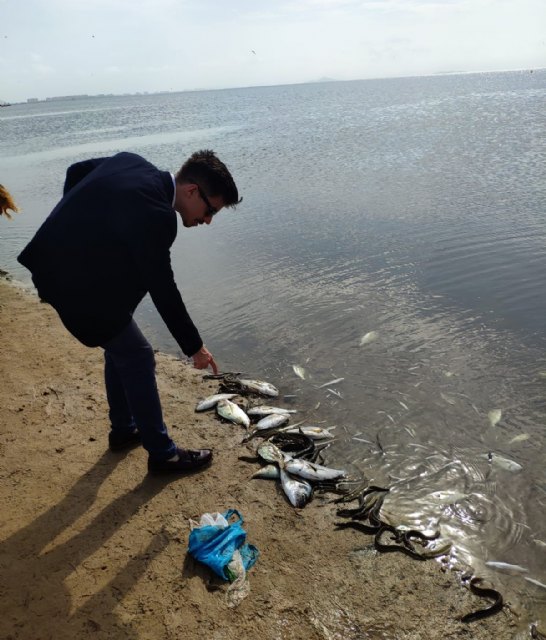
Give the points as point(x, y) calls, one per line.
point(92, 547)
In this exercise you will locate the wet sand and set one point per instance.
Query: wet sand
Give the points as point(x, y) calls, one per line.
point(91, 546)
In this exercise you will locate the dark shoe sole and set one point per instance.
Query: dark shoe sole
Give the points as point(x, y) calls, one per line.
point(191, 461)
point(130, 442)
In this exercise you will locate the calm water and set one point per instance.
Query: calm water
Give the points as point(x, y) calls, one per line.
point(413, 208)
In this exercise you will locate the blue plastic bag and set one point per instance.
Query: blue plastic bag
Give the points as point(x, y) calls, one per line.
point(215, 546)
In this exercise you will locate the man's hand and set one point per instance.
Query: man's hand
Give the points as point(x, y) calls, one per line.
point(203, 358)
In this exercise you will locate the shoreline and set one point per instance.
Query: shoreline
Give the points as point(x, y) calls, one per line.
point(90, 544)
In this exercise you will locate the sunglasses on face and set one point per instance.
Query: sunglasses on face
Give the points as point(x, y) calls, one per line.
point(211, 211)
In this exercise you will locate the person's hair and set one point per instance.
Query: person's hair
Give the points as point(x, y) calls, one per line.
point(211, 174)
point(6, 202)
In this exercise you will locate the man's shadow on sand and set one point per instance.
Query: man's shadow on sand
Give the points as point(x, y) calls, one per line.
point(34, 601)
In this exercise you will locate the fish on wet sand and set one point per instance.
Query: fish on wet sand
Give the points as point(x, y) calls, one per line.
point(272, 421)
point(298, 491)
point(269, 472)
point(270, 453)
point(232, 412)
point(211, 401)
point(312, 471)
point(258, 386)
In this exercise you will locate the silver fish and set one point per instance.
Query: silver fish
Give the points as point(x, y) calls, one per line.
point(315, 433)
point(212, 401)
point(270, 453)
point(521, 438)
point(331, 383)
point(494, 416)
point(232, 412)
point(258, 386)
point(299, 371)
point(311, 471)
point(269, 472)
point(368, 337)
point(506, 568)
point(299, 492)
point(535, 582)
point(272, 421)
point(502, 463)
point(265, 410)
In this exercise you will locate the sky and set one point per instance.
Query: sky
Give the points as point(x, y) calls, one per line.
point(67, 47)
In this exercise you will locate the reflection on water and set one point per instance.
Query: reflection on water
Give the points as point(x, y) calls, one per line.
point(412, 208)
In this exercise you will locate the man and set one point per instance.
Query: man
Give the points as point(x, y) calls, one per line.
point(104, 246)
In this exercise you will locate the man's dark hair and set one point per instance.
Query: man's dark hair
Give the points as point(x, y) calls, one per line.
point(211, 174)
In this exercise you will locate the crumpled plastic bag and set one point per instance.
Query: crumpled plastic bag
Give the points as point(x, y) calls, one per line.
point(222, 546)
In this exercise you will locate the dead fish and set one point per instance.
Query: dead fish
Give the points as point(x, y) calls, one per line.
point(521, 438)
point(502, 463)
point(331, 383)
point(298, 492)
point(539, 543)
point(494, 416)
point(265, 410)
point(232, 412)
point(272, 421)
point(368, 337)
point(334, 392)
point(316, 433)
point(299, 371)
point(270, 453)
point(535, 582)
point(310, 471)
point(447, 398)
point(506, 568)
point(258, 386)
point(269, 472)
point(211, 401)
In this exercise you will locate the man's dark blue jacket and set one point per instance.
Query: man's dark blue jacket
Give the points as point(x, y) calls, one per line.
point(105, 245)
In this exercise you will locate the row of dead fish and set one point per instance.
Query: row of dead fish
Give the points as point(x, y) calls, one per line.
point(297, 475)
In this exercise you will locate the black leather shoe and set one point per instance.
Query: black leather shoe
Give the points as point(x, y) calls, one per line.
point(189, 461)
point(124, 441)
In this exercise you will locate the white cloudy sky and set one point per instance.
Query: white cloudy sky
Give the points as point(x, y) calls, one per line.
point(60, 47)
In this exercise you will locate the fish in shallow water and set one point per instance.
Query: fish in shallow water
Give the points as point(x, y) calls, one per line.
point(535, 582)
point(494, 416)
point(331, 383)
point(315, 433)
point(505, 567)
point(297, 491)
point(232, 412)
point(258, 386)
point(299, 371)
point(368, 337)
point(521, 438)
point(502, 463)
point(266, 410)
point(212, 401)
